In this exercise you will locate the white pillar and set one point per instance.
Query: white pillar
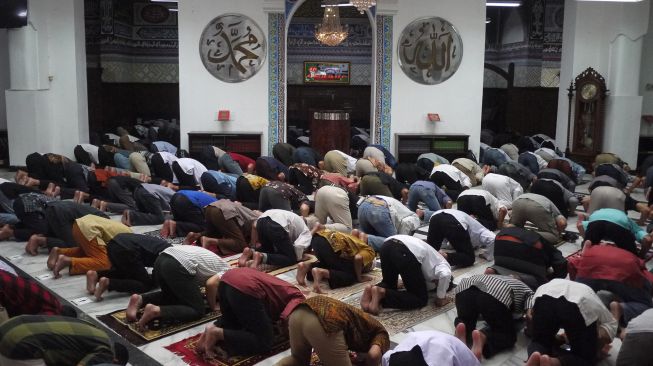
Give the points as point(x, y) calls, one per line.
point(607, 37)
point(47, 106)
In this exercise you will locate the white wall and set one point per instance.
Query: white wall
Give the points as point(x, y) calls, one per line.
point(513, 28)
point(457, 100)
point(646, 75)
point(4, 76)
point(202, 95)
point(607, 37)
point(48, 81)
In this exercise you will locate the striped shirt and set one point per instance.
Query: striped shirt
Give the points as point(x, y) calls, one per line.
point(514, 294)
point(199, 262)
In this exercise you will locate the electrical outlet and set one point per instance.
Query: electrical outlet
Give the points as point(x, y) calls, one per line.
point(648, 87)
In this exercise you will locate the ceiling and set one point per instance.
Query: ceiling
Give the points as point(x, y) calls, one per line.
point(313, 9)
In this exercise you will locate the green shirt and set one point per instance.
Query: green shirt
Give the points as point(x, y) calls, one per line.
point(55, 339)
point(616, 217)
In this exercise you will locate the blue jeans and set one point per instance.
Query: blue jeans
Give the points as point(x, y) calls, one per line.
point(376, 221)
point(424, 194)
point(494, 157)
point(8, 218)
point(122, 162)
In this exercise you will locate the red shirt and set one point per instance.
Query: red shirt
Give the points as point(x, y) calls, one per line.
point(24, 296)
point(607, 262)
point(242, 160)
point(280, 297)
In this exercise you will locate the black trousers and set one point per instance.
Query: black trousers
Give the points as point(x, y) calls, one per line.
point(272, 199)
point(160, 169)
point(397, 260)
point(180, 297)
point(60, 217)
point(208, 158)
point(30, 222)
point(247, 326)
point(453, 187)
point(149, 210)
point(245, 194)
point(276, 242)
point(606, 230)
point(553, 192)
point(549, 315)
point(341, 271)
point(121, 190)
point(221, 190)
point(501, 333)
point(475, 205)
point(82, 156)
point(185, 180)
point(188, 216)
point(302, 182)
point(127, 273)
point(444, 226)
point(635, 350)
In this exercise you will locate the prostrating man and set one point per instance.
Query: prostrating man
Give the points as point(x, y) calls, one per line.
point(333, 202)
point(635, 347)
point(483, 206)
point(187, 208)
point(282, 196)
point(305, 177)
point(189, 173)
point(129, 255)
point(565, 200)
point(605, 196)
point(573, 306)
point(336, 161)
point(221, 184)
point(380, 217)
point(505, 189)
point(333, 328)
point(251, 302)
point(283, 236)
point(425, 348)
point(271, 168)
point(496, 298)
point(228, 227)
point(180, 271)
point(542, 213)
point(463, 233)
point(342, 260)
point(555, 174)
point(471, 170)
point(56, 340)
point(450, 177)
point(428, 192)
point(421, 268)
point(614, 225)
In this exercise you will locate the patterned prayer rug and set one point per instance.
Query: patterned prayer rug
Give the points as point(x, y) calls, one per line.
point(342, 292)
point(172, 241)
point(186, 349)
point(275, 270)
point(156, 329)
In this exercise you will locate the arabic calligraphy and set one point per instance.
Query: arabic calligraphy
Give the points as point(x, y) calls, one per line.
point(232, 47)
point(430, 50)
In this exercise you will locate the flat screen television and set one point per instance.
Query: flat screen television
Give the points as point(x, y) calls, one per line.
point(322, 72)
point(13, 13)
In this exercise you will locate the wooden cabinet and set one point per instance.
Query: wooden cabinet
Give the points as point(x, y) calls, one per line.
point(245, 143)
point(410, 146)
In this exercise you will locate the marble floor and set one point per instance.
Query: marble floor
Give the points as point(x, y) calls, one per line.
point(72, 288)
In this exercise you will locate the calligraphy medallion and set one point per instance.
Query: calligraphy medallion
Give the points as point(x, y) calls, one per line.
point(430, 50)
point(232, 47)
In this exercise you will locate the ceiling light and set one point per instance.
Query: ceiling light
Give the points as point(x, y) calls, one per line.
point(363, 5)
point(173, 9)
point(488, 21)
point(164, 1)
point(331, 32)
point(22, 14)
point(505, 4)
point(616, 1)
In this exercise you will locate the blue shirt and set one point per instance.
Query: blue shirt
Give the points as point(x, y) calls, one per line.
point(165, 147)
point(617, 217)
point(226, 184)
point(199, 199)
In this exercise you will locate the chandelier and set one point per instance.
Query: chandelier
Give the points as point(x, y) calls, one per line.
point(363, 5)
point(331, 32)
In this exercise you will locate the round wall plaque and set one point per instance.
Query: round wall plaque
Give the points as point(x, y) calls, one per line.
point(430, 50)
point(232, 47)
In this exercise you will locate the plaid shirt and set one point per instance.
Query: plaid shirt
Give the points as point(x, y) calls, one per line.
point(24, 296)
point(35, 202)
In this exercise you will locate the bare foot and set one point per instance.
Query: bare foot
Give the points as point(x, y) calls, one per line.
point(257, 259)
point(34, 243)
point(62, 262)
point(461, 332)
point(52, 258)
point(318, 273)
point(478, 342)
point(355, 233)
point(191, 238)
point(135, 302)
point(247, 254)
point(173, 228)
point(6, 232)
point(534, 360)
point(125, 218)
point(56, 192)
point(165, 229)
point(95, 203)
point(50, 190)
point(362, 236)
point(91, 281)
point(549, 361)
point(490, 271)
point(616, 309)
point(302, 270)
point(366, 298)
point(103, 206)
point(102, 286)
point(210, 338)
point(150, 312)
point(378, 293)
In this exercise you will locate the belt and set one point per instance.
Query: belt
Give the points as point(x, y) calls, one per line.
point(376, 201)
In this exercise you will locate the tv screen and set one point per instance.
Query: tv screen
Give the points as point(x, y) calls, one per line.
point(13, 13)
point(318, 72)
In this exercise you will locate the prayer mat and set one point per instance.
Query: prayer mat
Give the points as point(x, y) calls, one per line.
point(172, 241)
point(396, 321)
point(342, 292)
point(186, 350)
point(275, 270)
point(157, 329)
point(353, 357)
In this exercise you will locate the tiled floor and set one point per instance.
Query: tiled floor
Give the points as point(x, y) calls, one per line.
point(72, 287)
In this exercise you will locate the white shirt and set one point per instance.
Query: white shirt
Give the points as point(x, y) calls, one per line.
point(487, 196)
point(199, 262)
point(438, 348)
point(505, 189)
point(167, 157)
point(192, 167)
point(351, 161)
point(641, 324)
point(92, 150)
point(590, 305)
point(294, 224)
point(434, 266)
point(405, 220)
point(479, 235)
point(454, 173)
